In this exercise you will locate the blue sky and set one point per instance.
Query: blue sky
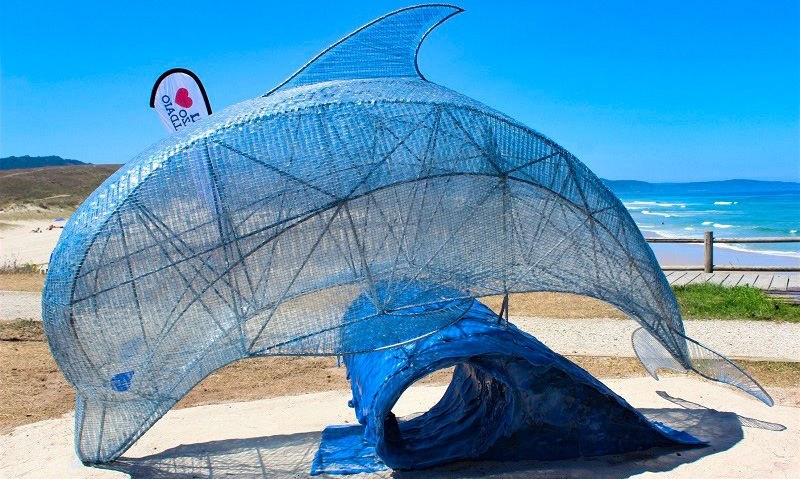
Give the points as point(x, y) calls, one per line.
point(651, 90)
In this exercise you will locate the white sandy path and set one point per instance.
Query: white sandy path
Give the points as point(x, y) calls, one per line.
point(279, 437)
point(764, 340)
point(20, 305)
point(20, 244)
point(589, 337)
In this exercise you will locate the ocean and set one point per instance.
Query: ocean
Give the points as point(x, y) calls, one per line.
point(688, 214)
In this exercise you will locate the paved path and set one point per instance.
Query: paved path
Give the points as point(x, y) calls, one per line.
point(764, 280)
point(760, 340)
point(592, 336)
point(17, 304)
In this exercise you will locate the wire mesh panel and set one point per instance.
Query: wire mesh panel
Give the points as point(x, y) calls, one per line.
point(254, 231)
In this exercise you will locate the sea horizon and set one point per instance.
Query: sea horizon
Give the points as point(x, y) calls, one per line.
point(689, 213)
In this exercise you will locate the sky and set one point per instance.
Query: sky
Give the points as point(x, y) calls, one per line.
point(651, 90)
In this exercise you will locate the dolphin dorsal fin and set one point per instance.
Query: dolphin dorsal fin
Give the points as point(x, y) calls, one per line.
point(384, 48)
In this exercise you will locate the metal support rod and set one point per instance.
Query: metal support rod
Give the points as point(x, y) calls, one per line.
point(708, 257)
point(503, 316)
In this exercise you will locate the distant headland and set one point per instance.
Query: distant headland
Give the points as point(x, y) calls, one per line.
point(619, 187)
point(727, 187)
point(17, 162)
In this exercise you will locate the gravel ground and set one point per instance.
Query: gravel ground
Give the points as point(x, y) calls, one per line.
point(758, 340)
point(20, 305)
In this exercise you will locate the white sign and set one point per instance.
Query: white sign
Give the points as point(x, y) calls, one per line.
point(179, 99)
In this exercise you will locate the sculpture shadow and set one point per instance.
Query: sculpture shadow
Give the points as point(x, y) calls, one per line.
point(291, 456)
point(287, 455)
point(745, 421)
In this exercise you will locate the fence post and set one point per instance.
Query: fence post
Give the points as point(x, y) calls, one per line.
point(708, 242)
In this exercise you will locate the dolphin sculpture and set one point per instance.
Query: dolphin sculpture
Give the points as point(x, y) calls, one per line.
point(252, 232)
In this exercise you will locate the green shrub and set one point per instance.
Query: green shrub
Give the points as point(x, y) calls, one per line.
point(16, 268)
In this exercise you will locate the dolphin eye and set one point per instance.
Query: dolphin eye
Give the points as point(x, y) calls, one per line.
point(121, 382)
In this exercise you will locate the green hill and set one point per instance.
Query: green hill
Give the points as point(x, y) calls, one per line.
point(49, 191)
point(16, 162)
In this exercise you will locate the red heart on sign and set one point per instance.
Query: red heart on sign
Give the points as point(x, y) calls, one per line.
point(182, 98)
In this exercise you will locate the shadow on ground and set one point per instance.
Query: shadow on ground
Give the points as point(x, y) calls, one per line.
point(744, 421)
point(291, 455)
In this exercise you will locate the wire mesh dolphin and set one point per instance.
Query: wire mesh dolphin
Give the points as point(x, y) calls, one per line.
point(252, 233)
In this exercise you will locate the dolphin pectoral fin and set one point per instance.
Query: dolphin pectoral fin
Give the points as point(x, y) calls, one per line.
point(712, 365)
point(105, 428)
point(652, 354)
point(703, 360)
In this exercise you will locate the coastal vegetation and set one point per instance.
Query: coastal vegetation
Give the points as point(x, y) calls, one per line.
point(18, 270)
point(701, 301)
point(49, 192)
point(14, 162)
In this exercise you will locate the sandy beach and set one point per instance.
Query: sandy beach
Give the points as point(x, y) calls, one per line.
point(692, 254)
point(19, 244)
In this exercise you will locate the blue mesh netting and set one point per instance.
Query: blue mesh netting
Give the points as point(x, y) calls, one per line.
point(510, 398)
point(253, 232)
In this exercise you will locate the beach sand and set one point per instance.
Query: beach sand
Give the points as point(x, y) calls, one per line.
point(18, 242)
point(20, 245)
point(691, 254)
point(278, 438)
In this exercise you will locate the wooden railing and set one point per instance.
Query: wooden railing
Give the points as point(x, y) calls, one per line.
point(708, 241)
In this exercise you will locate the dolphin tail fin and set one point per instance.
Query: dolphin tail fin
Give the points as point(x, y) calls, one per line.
point(703, 360)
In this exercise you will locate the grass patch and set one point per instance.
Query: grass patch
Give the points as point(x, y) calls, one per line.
point(704, 301)
point(27, 212)
point(696, 301)
point(700, 301)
